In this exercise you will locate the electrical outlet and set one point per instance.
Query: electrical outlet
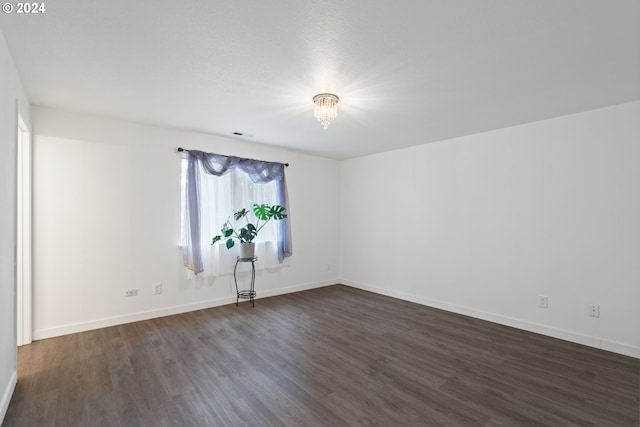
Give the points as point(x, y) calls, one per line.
point(131, 293)
point(594, 311)
point(157, 288)
point(543, 301)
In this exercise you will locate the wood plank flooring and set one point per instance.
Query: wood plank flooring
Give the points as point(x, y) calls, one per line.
point(334, 356)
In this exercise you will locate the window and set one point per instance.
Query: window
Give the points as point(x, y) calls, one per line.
point(218, 198)
point(221, 196)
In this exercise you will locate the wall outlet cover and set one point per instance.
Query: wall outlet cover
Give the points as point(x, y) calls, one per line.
point(543, 301)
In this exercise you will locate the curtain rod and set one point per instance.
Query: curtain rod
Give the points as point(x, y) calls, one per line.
point(180, 150)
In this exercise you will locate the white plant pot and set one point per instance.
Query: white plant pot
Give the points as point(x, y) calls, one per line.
point(248, 250)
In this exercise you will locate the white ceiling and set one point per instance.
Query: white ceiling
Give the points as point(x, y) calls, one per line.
point(407, 72)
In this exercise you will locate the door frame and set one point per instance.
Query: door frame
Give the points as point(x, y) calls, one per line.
point(24, 227)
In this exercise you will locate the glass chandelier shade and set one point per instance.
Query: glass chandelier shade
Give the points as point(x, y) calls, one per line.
point(326, 108)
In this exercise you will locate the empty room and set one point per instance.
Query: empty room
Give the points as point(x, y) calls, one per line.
point(331, 213)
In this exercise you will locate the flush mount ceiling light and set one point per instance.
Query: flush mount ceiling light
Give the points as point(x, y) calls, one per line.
point(326, 109)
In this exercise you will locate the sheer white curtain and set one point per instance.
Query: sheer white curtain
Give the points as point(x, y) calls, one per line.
point(220, 197)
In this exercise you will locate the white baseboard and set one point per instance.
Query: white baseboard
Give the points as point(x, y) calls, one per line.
point(6, 396)
point(562, 334)
point(165, 311)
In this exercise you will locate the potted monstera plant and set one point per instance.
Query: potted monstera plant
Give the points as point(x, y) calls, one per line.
point(245, 231)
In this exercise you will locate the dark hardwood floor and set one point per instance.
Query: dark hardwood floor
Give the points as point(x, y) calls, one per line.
point(327, 357)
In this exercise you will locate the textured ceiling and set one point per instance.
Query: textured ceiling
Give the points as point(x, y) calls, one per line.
point(407, 73)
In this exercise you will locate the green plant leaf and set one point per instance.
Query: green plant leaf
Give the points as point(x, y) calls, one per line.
point(227, 229)
point(230, 243)
point(262, 212)
point(277, 212)
point(248, 233)
point(240, 214)
point(216, 239)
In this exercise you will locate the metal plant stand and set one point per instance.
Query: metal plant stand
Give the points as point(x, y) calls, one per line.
point(250, 293)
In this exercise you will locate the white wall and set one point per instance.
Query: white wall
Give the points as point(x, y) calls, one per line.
point(494, 220)
point(12, 96)
point(484, 224)
point(107, 219)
